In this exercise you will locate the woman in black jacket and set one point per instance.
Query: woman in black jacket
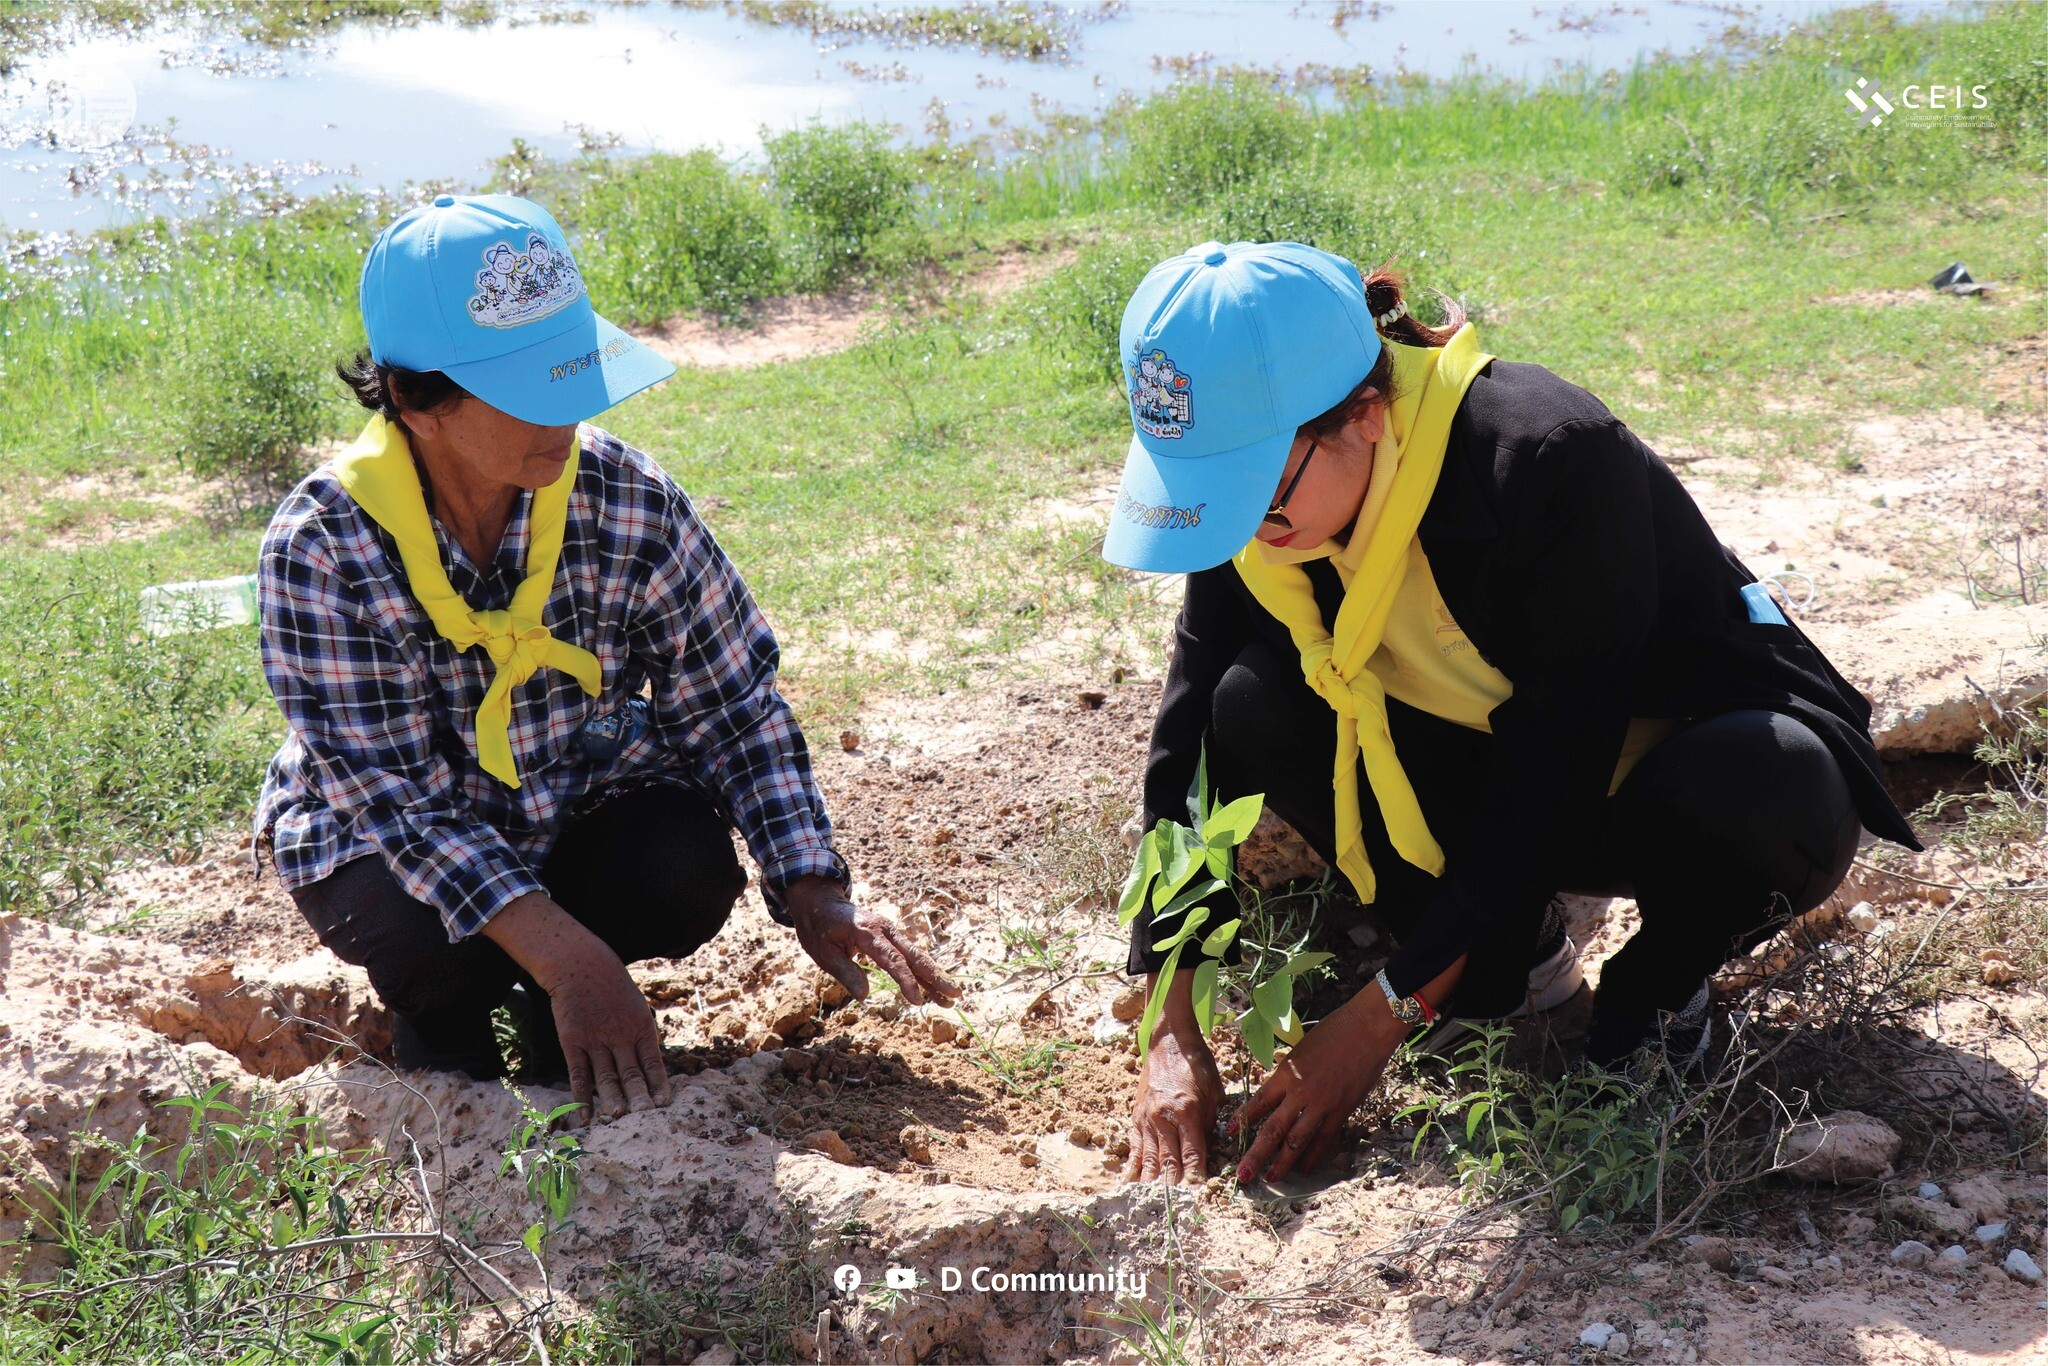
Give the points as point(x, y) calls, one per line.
point(1472, 639)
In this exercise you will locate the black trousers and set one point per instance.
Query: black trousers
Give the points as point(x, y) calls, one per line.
point(650, 869)
point(1722, 833)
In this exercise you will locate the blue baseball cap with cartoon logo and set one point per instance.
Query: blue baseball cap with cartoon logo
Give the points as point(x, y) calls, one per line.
point(1226, 351)
point(484, 289)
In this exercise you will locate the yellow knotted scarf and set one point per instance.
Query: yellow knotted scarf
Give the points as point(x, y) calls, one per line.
point(379, 474)
point(1429, 383)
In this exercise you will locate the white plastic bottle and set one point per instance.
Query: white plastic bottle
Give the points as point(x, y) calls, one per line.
point(169, 609)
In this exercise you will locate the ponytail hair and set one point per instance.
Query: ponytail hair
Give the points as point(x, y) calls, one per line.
point(1385, 293)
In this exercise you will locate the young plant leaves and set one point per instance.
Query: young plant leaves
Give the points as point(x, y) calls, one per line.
point(1205, 996)
point(1232, 824)
point(1157, 1003)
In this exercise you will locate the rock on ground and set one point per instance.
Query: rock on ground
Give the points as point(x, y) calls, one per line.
point(1937, 1217)
point(1981, 1196)
point(1711, 1252)
point(1912, 1253)
point(1842, 1147)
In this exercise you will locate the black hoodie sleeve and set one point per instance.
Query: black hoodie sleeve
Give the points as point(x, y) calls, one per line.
point(1213, 626)
point(1573, 582)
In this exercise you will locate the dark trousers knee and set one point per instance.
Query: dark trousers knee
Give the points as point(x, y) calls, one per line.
point(1272, 733)
point(1729, 829)
point(1724, 831)
point(650, 870)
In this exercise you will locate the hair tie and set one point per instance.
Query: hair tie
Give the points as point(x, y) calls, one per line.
point(1382, 319)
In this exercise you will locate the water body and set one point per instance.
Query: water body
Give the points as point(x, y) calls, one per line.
point(381, 106)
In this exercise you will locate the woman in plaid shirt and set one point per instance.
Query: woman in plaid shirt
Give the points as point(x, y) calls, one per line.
point(528, 695)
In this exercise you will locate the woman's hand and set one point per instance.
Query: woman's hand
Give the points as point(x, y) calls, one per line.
point(832, 930)
point(1178, 1092)
point(609, 1036)
point(1300, 1111)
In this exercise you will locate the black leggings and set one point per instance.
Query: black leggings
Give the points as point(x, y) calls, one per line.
point(1721, 833)
point(649, 869)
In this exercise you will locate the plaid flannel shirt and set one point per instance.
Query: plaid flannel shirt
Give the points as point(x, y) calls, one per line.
point(382, 710)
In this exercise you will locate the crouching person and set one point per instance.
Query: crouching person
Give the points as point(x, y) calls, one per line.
point(528, 696)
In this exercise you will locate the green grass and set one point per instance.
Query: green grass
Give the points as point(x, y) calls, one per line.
point(245, 1238)
point(882, 501)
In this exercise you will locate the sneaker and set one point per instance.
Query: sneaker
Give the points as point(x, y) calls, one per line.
point(1552, 982)
point(1687, 1033)
point(1684, 1035)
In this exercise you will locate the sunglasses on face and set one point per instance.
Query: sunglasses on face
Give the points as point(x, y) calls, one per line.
point(1275, 516)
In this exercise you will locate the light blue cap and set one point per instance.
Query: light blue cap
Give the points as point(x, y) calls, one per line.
point(483, 288)
point(1226, 352)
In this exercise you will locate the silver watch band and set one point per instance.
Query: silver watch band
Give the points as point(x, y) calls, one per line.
point(1406, 1009)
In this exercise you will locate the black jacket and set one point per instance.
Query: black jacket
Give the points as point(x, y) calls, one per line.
point(1578, 566)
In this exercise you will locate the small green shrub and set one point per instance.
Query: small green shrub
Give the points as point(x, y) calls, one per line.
point(1188, 146)
point(547, 1159)
point(1074, 313)
point(845, 187)
point(248, 387)
point(1592, 1144)
point(1300, 204)
point(247, 1239)
point(1285, 205)
point(117, 742)
point(673, 234)
point(2012, 815)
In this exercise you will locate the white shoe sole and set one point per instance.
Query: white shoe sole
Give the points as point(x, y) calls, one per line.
point(1552, 982)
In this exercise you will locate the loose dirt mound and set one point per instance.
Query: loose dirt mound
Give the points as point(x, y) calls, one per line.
point(810, 1133)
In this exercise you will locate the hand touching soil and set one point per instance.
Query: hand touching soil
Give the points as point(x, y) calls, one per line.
point(609, 1037)
point(1178, 1092)
point(833, 930)
point(1300, 1111)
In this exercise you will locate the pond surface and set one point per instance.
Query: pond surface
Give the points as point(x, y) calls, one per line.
point(106, 128)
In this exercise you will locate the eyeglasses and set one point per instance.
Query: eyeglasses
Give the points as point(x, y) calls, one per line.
point(1275, 517)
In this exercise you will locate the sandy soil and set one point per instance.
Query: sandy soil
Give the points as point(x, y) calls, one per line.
point(948, 1146)
point(803, 325)
point(875, 1134)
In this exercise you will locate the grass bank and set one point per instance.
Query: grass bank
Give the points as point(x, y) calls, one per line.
point(1677, 239)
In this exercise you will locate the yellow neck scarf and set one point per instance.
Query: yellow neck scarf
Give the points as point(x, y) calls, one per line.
point(1429, 382)
point(379, 474)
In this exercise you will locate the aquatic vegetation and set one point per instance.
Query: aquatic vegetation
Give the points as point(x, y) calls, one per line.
point(1015, 28)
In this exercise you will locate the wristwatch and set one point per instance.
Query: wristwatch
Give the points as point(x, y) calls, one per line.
point(1409, 1010)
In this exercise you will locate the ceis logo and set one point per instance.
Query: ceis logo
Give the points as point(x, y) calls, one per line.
point(1915, 103)
point(1873, 109)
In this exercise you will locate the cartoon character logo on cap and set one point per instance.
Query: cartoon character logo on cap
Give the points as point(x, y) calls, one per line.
point(1160, 395)
point(518, 287)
